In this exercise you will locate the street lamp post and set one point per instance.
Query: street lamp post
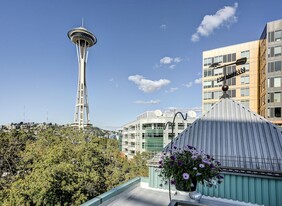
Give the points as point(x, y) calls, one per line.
point(228, 76)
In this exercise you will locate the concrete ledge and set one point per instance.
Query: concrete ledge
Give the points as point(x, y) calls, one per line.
point(112, 193)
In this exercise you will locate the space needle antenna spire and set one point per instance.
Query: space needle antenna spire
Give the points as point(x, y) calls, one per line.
point(83, 39)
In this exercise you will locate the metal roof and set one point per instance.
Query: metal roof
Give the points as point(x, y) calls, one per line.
point(236, 136)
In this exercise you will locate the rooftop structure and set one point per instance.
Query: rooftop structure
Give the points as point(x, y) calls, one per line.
point(83, 39)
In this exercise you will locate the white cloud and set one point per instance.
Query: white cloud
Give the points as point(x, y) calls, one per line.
point(157, 101)
point(163, 27)
point(177, 59)
point(173, 89)
point(189, 84)
point(166, 60)
point(147, 85)
point(198, 81)
point(172, 62)
point(225, 16)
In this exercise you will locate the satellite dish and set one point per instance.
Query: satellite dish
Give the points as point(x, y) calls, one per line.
point(158, 113)
point(192, 114)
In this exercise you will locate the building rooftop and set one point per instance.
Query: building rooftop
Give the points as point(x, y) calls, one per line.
point(137, 193)
point(237, 137)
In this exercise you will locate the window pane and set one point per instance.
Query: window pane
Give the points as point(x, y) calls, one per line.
point(277, 36)
point(277, 82)
point(234, 57)
point(277, 51)
point(277, 97)
point(277, 112)
point(278, 66)
point(218, 71)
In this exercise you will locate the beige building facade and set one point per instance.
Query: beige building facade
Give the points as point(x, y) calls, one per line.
point(260, 87)
point(244, 87)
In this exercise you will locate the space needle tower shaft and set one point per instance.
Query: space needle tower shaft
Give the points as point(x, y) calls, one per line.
point(83, 39)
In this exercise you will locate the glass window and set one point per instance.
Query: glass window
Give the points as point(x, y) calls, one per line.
point(278, 66)
point(217, 94)
point(245, 54)
point(207, 84)
point(220, 59)
point(229, 58)
point(231, 93)
point(245, 92)
point(277, 35)
point(209, 61)
point(180, 126)
point(208, 95)
point(218, 71)
point(277, 97)
point(245, 80)
point(277, 111)
point(234, 57)
point(224, 58)
point(205, 62)
point(277, 81)
point(277, 51)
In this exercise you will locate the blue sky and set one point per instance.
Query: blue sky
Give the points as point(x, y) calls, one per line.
point(148, 55)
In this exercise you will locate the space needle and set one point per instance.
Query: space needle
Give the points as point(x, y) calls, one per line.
point(83, 39)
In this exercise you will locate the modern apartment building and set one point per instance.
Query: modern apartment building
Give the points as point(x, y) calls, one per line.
point(260, 87)
point(270, 72)
point(147, 132)
point(243, 88)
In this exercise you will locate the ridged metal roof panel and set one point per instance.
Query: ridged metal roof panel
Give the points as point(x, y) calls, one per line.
point(235, 136)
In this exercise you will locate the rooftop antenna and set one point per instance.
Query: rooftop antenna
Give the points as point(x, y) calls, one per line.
point(82, 22)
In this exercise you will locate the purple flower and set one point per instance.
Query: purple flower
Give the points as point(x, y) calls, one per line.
point(174, 146)
point(201, 165)
point(206, 161)
point(180, 163)
point(172, 182)
point(185, 176)
point(194, 157)
point(189, 147)
point(160, 162)
point(198, 174)
point(172, 157)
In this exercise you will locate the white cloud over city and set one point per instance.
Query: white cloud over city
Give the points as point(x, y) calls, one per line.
point(147, 85)
point(225, 16)
point(157, 101)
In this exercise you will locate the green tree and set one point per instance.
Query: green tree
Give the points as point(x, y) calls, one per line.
point(63, 166)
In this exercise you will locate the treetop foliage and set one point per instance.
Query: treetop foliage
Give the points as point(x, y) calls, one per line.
point(61, 166)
